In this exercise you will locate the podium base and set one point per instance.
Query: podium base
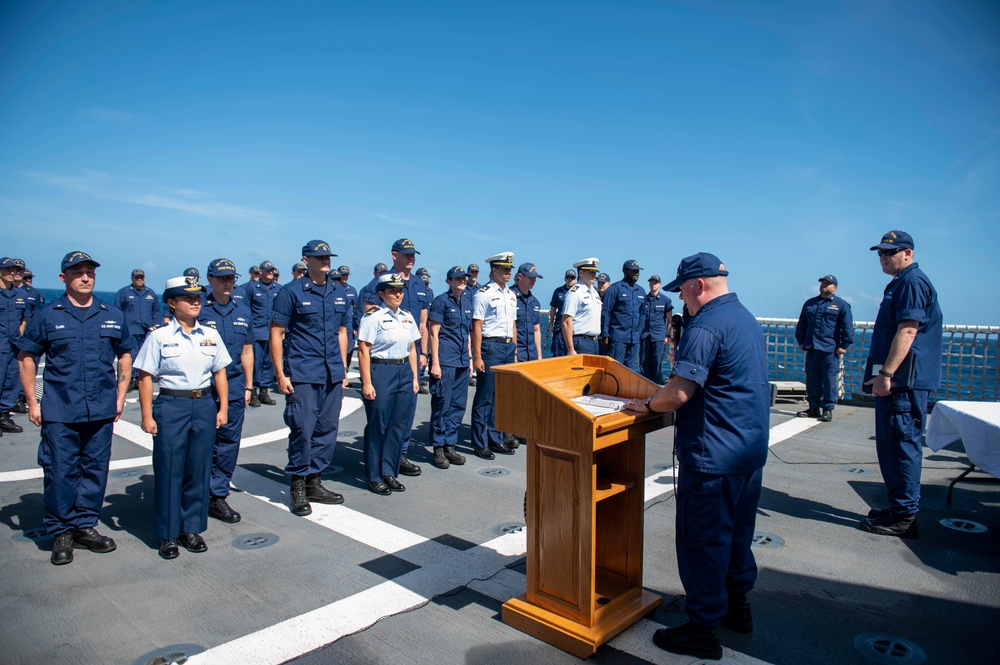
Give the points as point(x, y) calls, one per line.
point(568, 635)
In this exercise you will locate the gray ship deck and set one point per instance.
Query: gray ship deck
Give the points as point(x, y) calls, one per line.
point(420, 577)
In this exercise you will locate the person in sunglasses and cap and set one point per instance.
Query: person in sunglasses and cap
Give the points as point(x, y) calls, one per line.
point(655, 331)
point(142, 311)
point(621, 320)
point(824, 332)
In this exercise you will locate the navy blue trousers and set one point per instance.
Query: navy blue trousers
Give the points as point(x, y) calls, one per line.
point(227, 437)
point(390, 416)
point(584, 345)
point(312, 412)
point(626, 353)
point(484, 415)
point(822, 368)
point(558, 346)
point(74, 458)
point(651, 350)
point(263, 368)
point(714, 530)
point(182, 463)
point(449, 395)
point(899, 422)
point(137, 341)
point(10, 381)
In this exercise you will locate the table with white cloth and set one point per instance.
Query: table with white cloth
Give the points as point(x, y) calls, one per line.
point(977, 424)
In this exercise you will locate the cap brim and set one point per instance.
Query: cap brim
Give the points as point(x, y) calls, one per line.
point(675, 285)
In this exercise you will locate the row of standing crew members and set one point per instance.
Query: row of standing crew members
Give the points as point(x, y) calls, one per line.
point(18, 301)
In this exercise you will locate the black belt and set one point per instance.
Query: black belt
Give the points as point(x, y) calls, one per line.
point(505, 340)
point(190, 394)
point(591, 337)
point(389, 361)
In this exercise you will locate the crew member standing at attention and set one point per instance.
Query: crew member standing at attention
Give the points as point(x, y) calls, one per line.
point(13, 316)
point(603, 282)
point(472, 277)
point(622, 327)
point(231, 319)
point(906, 344)
point(450, 324)
point(581, 318)
point(494, 336)
point(353, 305)
point(142, 311)
point(183, 357)
point(33, 299)
point(719, 389)
point(825, 330)
point(312, 315)
point(558, 345)
point(81, 399)
point(387, 361)
point(260, 297)
point(655, 331)
point(529, 314)
point(298, 271)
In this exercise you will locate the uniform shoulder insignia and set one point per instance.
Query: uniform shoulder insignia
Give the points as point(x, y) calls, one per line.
point(156, 327)
point(485, 289)
point(574, 287)
point(369, 313)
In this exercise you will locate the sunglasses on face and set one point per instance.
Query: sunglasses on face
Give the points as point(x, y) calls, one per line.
point(890, 252)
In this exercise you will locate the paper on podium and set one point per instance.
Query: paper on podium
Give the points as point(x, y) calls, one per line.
point(600, 405)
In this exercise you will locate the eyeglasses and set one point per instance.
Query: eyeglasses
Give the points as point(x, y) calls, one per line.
point(890, 252)
point(226, 278)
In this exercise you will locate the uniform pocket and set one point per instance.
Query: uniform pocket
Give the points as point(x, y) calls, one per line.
point(293, 411)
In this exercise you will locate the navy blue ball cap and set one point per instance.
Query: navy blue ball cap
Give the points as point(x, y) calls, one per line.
point(316, 248)
point(19, 263)
point(631, 264)
point(701, 264)
point(181, 286)
point(380, 269)
point(473, 267)
point(7, 262)
point(528, 270)
point(138, 272)
point(654, 278)
point(570, 274)
point(603, 278)
point(267, 265)
point(28, 274)
point(420, 272)
point(299, 267)
point(457, 271)
point(894, 240)
point(829, 278)
point(344, 270)
point(254, 270)
point(222, 267)
point(389, 281)
point(72, 259)
point(404, 245)
point(192, 272)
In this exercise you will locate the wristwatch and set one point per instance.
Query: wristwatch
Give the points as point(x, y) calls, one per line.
point(884, 373)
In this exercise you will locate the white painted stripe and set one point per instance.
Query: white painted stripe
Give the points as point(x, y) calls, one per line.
point(31, 474)
point(133, 433)
point(790, 428)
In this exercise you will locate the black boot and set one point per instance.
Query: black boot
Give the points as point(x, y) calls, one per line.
point(21, 406)
point(316, 492)
point(219, 508)
point(408, 468)
point(738, 616)
point(510, 441)
point(827, 416)
point(440, 461)
point(424, 389)
point(264, 397)
point(62, 549)
point(690, 640)
point(300, 505)
point(453, 457)
point(8, 425)
point(811, 412)
point(90, 539)
point(254, 401)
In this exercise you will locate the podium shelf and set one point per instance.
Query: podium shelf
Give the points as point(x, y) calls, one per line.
point(609, 486)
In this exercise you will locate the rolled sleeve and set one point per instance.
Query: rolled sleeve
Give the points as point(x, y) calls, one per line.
point(695, 354)
point(283, 308)
point(912, 302)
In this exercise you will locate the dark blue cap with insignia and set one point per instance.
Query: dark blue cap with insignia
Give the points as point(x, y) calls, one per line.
point(389, 281)
point(457, 271)
point(6, 262)
point(895, 239)
point(254, 270)
point(138, 272)
point(192, 272)
point(602, 278)
point(181, 286)
point(570, 274)
point(829, 278)
point(654, 278)
point(529, 270)
point(420, 272)
point(299, 267)
point(221, 267)
point(344, 270)
point(380, 269)
point(266, 265)
point(631, 264)
point(28, 274)
point(317, 248)
point(19, 263)
point(701, 264)
point(473, 267)
point(74, 258)
point(404, 245)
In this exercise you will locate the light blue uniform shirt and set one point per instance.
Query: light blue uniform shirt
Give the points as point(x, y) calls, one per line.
point(389, 334)
point(584, 305)
point(496, 307)
point(179, 361)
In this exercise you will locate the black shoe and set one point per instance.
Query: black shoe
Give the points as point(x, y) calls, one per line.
point(878, 512)
point(300, 505)
point(891, 524)
point(8, 425)
point(484, 453)
point(192, 542)
point(254, 400)
point(379, 488)
point(316, 492)
point(21, 406)
point(827, 416)
point(89, 539)
point(811, 412)
point(501, 448)
point(264, 397)
point(510, 441)
point(424, 390)
point(453, 457)
point(408, 468)
point(219, 508)
point(168, 549)
point(689, 640)
point(739, 617)
point(62, 549)
point(440, 461)
point(393, 484)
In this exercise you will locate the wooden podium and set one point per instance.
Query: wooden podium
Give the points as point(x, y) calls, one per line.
point(586, 483)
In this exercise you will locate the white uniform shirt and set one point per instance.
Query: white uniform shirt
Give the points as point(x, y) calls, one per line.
point(179, 361)
point(389, 334)
point(584, 305)
point(496, 307)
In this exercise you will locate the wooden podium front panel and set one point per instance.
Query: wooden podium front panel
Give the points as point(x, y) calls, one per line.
point(562, 548)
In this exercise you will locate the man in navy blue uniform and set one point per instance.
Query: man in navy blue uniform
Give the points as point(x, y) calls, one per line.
point(231, 318)
point(655, 331)
point(558, 345)
point(449, 326)
point(36, 298)
point(472, 273)
point(529, 314)
point(13, 316)
point(905, 357)
point(142, 311)
point(824, 331)
point(621, 326)
point(311, 313)
point(81, 337)
point(260, 297)
point(425, 275)
point(719, 389)
point(353, 305)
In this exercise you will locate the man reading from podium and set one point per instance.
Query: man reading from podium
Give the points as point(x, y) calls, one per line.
point(719, 388)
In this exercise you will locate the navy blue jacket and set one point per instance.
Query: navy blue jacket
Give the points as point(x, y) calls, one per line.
point(260, 299)
point(623, 304)
point(529, 314)
point(313, 322)
point(825, 324)
point(232, 322)
point(455, 317)
point(13, 310)
point(654, 315)
point(141, 308)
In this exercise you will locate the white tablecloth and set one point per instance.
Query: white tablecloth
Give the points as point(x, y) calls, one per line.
point(977, 424)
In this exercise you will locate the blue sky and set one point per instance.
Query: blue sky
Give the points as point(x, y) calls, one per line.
point(785, 137)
